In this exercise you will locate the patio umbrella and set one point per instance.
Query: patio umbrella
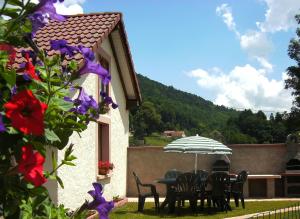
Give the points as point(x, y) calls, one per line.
point(197, 145)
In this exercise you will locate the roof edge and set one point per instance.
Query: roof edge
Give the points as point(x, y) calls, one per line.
point(129, 59)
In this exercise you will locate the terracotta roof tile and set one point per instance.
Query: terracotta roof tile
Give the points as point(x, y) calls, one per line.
point(84, 29)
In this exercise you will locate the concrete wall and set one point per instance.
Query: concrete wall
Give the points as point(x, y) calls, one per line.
point(151, 163)
point(78, 180)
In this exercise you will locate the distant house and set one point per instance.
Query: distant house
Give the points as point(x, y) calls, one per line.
point(107, 139)
point(175, 134)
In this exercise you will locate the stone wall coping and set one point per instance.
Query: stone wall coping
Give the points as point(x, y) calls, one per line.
point(230, 145)
point(145, 148)
point(264, 176)
point(258, 145)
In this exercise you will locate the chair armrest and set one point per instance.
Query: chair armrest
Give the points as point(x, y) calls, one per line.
point(153, 187)
point(147, 185)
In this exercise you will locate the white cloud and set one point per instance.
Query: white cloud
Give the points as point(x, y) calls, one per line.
point(279, 15)
point(245, 87)
point(256, 44)
point(69, 7)
point(225, 12)
point(264, 63)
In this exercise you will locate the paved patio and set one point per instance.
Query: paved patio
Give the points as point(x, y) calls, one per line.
point(135, 199)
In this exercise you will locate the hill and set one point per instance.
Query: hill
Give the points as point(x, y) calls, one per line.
point(179, 110)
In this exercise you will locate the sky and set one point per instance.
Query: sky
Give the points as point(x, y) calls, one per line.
point(233, 53)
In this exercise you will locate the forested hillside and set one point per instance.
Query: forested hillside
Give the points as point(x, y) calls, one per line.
point(166, 108)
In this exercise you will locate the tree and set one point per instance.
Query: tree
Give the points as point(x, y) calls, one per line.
point(293, 82)
point(146, 120)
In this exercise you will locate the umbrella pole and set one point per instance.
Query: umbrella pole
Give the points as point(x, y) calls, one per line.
point(196, 162)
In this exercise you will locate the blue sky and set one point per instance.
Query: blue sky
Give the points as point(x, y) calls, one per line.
point(233, 53)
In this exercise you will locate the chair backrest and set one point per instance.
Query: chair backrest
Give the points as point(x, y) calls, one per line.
point(240, 180)
point(202, 178)
point(220, 182)
point(137, 181)
point(186, 183)
point(173, 173)
point(242, 176)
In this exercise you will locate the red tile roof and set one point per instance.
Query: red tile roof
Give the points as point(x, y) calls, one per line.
point(88, 30)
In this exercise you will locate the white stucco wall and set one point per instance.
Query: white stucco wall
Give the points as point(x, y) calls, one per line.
point(78, 180)
point(116, 185)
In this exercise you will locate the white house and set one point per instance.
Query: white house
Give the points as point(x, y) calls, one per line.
point(107, 139)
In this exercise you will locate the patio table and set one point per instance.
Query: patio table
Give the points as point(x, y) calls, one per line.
point(169, 182)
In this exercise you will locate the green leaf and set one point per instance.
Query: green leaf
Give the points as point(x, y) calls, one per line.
point(68, 163)
point(15, 3)
point(9, 77)
point(11, 12)
point(63, 105)
point(70, 158)
point(60, 182)
point(40, 84)
point(72, 65)
point(51, 136)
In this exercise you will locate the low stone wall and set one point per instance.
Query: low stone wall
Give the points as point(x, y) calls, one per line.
point(152, 162)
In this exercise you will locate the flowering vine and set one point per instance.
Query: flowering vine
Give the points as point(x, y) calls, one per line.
point(37, 113)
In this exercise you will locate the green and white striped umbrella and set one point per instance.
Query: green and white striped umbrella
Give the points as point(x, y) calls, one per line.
point(197, 145)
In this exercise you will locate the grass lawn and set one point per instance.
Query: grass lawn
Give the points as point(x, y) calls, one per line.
point(157, 141)
point(129, 211)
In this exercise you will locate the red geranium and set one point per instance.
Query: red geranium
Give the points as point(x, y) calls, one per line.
point(29, 68)
point(11, 52)
point(26, 113)
point(105, 165)
point(31, 166)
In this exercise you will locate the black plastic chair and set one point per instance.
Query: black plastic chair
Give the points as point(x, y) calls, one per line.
point(142, 196)
point(173, 173)
point(202, 180)
point(237, 188)
point(185, 189)
point(220, 193)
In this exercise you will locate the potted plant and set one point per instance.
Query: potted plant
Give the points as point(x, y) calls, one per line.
point(104, 167)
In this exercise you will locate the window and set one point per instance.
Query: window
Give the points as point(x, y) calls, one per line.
point(105, 64)
point(103, 141)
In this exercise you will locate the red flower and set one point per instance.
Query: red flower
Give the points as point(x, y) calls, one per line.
point(105, 165)
point(26, 113)
point(11, 52)
point(31, 166)
point(29, 68)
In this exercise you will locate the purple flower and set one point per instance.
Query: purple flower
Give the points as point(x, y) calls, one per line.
point(68, 99)
point(26, 77)
point(87, 53)
point(86, 102)
point(63, 47)
point(114, 105)
point(108, 100)
point(13, 90)
point(38, 21)
point(47, 7)
point(83, 103)
point(99, 203)
point(2, 127)
point(92, 67)
point(45, 10)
